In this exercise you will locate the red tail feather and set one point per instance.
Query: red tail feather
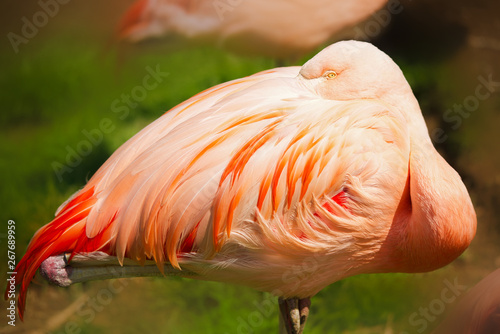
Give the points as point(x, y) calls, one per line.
point(66, 233)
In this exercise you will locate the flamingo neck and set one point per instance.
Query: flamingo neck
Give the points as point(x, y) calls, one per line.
point(435, 221)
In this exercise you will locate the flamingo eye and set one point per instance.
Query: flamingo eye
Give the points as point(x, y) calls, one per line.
point(330, 74)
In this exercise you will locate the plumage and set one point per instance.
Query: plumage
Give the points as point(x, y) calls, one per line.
point(286, 168)
point(273, 28)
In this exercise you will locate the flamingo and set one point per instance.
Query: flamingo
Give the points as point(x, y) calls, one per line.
point(272, 28)
point(285, 181)
point(478, 312)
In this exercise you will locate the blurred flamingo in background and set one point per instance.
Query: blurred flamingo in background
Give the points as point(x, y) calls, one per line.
point(285, 181)
point(282, 29)
point(478, 312)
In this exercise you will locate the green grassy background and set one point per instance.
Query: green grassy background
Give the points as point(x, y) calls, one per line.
point(59, 85)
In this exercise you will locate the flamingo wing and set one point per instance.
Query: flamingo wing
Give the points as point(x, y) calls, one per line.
point(257, 164)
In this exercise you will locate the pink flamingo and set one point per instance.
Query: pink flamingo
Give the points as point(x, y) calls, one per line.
point(273, 28)
point(285, 181)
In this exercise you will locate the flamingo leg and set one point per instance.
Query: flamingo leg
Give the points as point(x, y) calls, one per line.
point(294, 313)
point(61, 271)
point(98, 266)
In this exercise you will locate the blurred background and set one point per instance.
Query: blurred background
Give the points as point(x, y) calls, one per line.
point(71, 94)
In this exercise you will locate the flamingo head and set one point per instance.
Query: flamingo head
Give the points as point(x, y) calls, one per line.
point(350, 70)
